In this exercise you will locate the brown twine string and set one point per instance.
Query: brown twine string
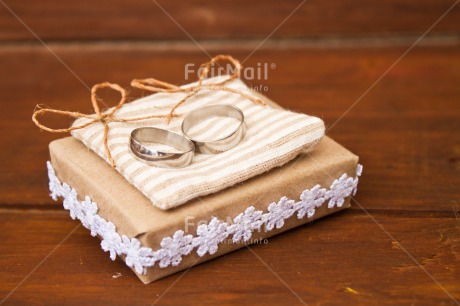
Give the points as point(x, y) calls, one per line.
point(149, 84)
point(102, 117)
point(155, 85)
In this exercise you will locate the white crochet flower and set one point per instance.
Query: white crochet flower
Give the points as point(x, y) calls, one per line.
point(309, 201)
point(340, 189)
point(209, 236)
point(137, 256)
point(79, 213)
point(278, 212)
point(65, 190)
point(97, 225)
point(89, 213)
point(111, 241)
point(359, 171)
point(174, 248)
point(245, 223)
point(54, 184)
point(70, 200)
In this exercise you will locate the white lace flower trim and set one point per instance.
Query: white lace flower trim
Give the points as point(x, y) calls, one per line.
point(172, 249)
point(246, 223)
point(310, 199)
point(278, 212)
point(208, 236)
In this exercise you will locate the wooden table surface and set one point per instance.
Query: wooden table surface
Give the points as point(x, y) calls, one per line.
point(385, 77)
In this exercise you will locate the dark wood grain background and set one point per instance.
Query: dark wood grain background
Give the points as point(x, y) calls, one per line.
point(398, 244)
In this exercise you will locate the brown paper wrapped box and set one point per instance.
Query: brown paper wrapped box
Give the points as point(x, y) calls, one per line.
point(134, 215)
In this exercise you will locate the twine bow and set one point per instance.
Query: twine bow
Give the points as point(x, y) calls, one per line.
point(155, 85)
point(102, 117)
point(149, 84)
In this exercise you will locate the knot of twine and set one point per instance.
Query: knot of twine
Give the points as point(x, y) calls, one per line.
point(149, 84)
point(102, 117)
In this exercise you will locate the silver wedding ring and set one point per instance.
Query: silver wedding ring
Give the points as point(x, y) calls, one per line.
point(181, 156)
point(144, 140)
point(224, 142)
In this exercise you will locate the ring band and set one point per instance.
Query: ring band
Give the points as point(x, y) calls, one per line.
point(224, 143)
point(141, 137)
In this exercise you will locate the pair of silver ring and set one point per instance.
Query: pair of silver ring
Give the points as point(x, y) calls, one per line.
point(184, 145)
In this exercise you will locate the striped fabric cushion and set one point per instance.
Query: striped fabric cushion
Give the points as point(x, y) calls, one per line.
point(273, 137)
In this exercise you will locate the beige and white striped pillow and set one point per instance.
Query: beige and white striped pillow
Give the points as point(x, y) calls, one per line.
point(273, 138)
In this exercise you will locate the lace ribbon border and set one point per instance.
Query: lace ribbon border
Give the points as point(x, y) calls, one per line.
point(208, 236)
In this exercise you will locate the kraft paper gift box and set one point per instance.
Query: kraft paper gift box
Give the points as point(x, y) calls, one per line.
point(156, 243)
